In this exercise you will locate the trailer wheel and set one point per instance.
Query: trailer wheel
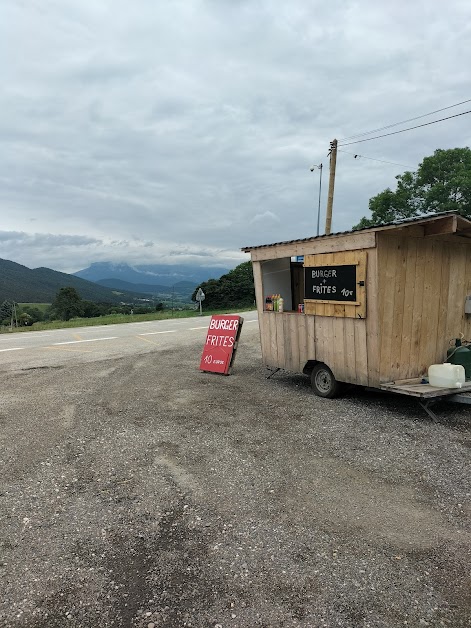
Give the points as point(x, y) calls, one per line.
point(323, 382)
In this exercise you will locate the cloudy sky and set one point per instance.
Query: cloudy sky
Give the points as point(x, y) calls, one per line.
point(171, 131)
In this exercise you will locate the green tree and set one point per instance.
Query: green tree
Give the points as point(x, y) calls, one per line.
point(90, 309)
point(34, 313)
point(235, 289)
point(25, 319)
point(6, 310)
point(441, 183)
point(67, 304)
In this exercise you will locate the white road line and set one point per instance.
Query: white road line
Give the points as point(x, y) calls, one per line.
point(13, 349)
point(74, 342)
point(254, 321)
point(25, 335)
point(150, 333)
point(170, 331)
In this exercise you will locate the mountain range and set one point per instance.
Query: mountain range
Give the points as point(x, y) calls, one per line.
point(40, 285)
point(182, 288)
point(151, 274)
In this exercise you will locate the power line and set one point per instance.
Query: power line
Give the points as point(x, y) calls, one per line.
point(390, 126)
point(418, 126)
point(393, 163)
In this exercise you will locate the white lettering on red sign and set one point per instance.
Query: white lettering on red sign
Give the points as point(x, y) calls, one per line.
point(220, 341)
point(224, 324)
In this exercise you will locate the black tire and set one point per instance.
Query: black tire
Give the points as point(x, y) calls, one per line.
point(323, 382)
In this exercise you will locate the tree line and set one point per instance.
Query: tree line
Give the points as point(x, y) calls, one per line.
point(234, 289)
point(66, 305)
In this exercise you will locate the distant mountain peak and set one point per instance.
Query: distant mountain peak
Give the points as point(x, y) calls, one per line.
point(162, 274)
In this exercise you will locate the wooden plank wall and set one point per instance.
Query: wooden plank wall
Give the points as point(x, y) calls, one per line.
point(422, 285)
point(289, 340)
point(258, 284)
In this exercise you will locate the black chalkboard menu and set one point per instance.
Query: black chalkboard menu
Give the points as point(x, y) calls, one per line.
point(331, 283)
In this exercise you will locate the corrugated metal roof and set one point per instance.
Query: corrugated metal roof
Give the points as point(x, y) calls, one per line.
point(395, 223)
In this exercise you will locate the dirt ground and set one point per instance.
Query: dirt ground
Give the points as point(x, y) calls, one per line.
point(140, 492)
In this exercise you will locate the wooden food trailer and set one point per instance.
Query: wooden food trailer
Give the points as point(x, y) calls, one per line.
point(380, 304)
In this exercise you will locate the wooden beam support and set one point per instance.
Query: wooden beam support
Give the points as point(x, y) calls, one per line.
point(331, 244)
point(441, 226)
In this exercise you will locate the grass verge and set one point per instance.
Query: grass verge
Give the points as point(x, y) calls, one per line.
point(117, 319)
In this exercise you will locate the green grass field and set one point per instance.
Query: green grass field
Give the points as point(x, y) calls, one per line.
point(114, 319)
point(41, 306)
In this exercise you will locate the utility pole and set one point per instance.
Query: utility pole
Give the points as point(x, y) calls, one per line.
point(320, 166)
point(13, 314)
point(330, 198)
point(319, 203)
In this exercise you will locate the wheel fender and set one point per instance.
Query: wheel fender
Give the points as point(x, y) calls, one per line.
point(310, 364)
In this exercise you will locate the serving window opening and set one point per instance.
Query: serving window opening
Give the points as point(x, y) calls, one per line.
point(283, 278)
point(318, 284)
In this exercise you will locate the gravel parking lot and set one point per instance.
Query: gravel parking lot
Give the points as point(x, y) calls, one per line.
point(137, 491)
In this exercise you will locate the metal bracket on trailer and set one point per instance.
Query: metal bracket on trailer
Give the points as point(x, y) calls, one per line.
point(460, 398)
point(426, 405)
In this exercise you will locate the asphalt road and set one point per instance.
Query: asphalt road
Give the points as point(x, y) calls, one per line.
point(137, 491)
point(38, 349)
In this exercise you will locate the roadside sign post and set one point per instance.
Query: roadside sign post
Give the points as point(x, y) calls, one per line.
point(221, 343)
point(200, 296)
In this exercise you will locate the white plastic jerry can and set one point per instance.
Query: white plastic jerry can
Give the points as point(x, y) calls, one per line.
point(446, 375)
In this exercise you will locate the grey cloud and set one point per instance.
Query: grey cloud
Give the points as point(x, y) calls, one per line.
point(44, 249)
point(119, 243)
point(102, 71)
point(46, 239)
point(13, 236)
point(175, 129)
point(194, 254)
point(267, 215)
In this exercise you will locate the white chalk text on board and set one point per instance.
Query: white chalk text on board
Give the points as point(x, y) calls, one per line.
point(335, 283)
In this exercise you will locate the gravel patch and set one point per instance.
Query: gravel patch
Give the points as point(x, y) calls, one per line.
point(140, 492)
